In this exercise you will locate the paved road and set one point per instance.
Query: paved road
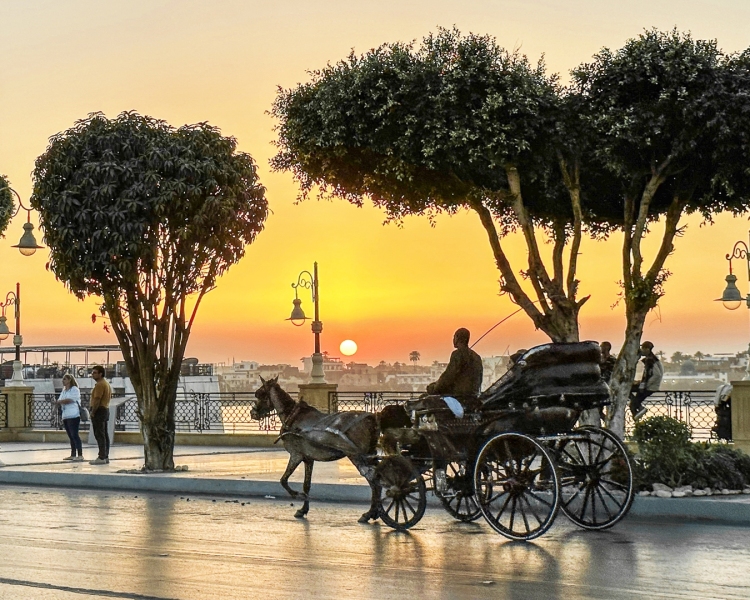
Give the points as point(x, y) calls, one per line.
point(66, 544)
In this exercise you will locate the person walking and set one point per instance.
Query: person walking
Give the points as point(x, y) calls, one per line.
point(70, 401)
point(653, 371)
point(100, 398)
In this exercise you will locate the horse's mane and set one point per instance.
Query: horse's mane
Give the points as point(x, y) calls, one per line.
point(282, 392)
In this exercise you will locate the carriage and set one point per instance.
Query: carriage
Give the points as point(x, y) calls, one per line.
point(517, 457)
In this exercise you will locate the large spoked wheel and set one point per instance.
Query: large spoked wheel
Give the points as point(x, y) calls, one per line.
point(458, 496)
point(517, 486)
point(403, 497)
point(596, 478)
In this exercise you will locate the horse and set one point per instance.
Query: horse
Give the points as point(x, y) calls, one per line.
point(309, 435)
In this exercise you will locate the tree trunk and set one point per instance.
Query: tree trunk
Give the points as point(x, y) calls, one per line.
point(158, 444)
point(156, 408)
point(558, 317)
point(623, 374)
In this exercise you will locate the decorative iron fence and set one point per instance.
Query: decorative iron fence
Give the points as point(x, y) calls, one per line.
point(43, 413)
point(367, 401)
point(694, 408)
point(206, 412)
point(3, 410)
point(227, 412)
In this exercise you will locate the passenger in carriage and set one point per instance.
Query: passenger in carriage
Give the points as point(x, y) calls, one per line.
point(462, 379)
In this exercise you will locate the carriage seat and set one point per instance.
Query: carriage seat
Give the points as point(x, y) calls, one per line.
point(441, 407)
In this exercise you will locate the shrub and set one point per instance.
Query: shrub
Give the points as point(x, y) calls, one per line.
point(666, 455)
point(665, 451)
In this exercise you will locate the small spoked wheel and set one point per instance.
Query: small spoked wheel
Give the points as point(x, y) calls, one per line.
point(403, 497)
point(517, 486)
point(457, 496)
point(596, 478)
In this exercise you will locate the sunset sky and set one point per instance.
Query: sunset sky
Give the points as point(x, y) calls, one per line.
point(390, 289)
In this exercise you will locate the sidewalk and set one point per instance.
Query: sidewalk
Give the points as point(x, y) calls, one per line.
point(249, 472)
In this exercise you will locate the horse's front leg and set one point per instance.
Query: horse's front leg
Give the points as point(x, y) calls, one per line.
point(294, 461)
point(302, 512)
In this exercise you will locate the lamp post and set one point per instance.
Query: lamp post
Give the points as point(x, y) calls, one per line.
point(27, 244)
point(732, 297)
point(14, 300)
point(309, 281)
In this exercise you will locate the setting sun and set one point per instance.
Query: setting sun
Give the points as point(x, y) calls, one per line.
point(348, 347)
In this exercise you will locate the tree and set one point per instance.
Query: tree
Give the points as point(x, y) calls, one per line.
point(414, 356)
point(147, 217)
point(458, 123)
point(671, 116)
point(677, 357)
point(6, 204)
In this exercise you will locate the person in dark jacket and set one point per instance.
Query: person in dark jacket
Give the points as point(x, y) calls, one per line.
point(462, 379)
point(607, 364)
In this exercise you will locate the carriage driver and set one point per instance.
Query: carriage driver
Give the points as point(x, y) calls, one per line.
point(462, 379)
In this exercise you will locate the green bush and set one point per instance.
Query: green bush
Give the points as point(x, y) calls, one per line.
point(666, 455)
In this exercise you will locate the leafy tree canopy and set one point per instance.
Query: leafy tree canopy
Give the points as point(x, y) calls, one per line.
point(126, 199)
point(421, 129)
point(672, 111)
point(6, 204)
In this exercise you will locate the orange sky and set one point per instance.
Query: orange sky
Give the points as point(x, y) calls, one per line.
point(392, 290)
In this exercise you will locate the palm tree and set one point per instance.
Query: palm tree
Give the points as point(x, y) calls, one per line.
point(414, 356)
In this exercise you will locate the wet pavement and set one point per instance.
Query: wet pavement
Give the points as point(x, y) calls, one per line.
point(64, 544)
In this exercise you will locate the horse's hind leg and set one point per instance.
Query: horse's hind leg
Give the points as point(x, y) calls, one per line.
point(294, 461)
point(366, 468)
point(302, 512)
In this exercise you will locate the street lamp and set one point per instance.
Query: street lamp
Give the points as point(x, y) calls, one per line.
point(27, 244)
point(309, 281)
point(13, 299)
point(732, 297)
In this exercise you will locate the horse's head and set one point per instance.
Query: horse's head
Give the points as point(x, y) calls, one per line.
point(264, 406)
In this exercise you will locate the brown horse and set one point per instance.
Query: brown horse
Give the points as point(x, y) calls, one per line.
point(309, 435)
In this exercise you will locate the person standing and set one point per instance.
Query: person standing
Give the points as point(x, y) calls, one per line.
point(70, 400)
point(100, 398)
point(653, 371)
point(607, 364)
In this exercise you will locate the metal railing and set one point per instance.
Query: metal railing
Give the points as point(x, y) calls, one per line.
point(367, 401)
point(209, 412)
point(229, 412)
point(43, 413)
point(3, 411)
point(694, 408)
point(56, 371)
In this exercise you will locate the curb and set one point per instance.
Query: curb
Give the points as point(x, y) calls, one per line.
point(717, 510)
point(335, 492)
point(686, 509)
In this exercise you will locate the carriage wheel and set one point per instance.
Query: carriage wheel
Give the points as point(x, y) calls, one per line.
point(517, 486)
point(596, 478)
point(458, 498)
point(404, 496)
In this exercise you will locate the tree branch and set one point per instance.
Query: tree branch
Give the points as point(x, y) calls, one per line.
point(510, 283)
point(674, 213)
point(538, 275)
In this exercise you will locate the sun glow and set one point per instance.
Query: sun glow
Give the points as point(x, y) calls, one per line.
point(348, 347)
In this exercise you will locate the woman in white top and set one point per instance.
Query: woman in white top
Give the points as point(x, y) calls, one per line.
point(70, 400)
